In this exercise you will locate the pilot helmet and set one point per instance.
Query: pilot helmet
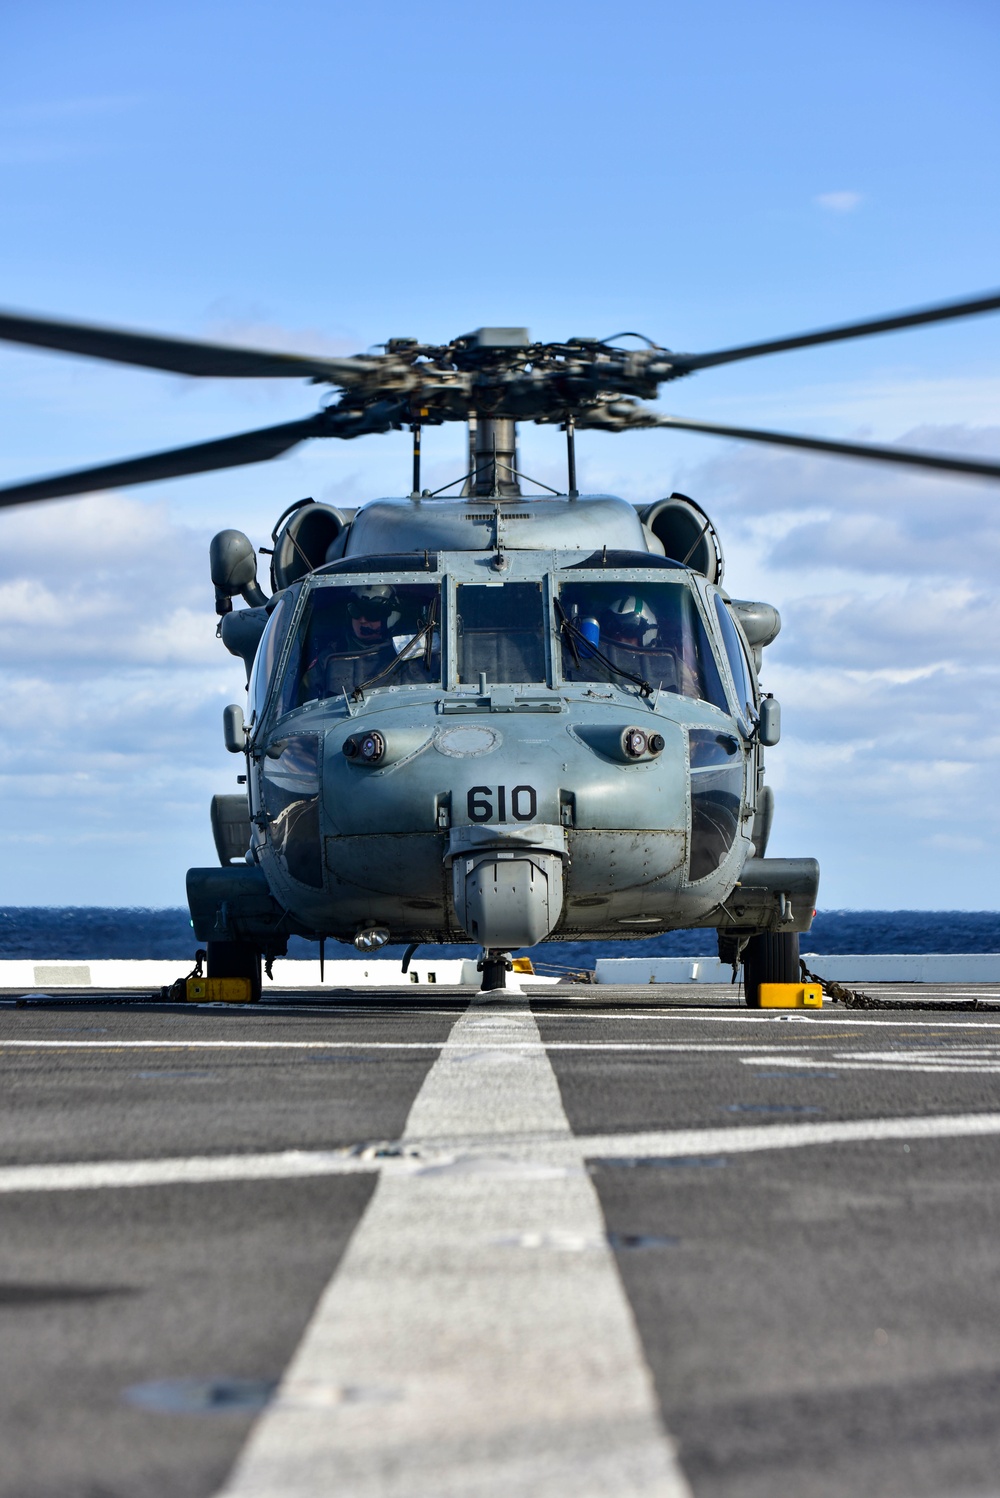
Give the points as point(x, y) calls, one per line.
point(630, 621)
point(375, 601)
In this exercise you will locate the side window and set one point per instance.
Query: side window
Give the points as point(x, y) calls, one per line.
point(738, 664)
point(716, 797)
point(268, 652)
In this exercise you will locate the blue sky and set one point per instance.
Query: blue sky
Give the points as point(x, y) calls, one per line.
point(325, 176)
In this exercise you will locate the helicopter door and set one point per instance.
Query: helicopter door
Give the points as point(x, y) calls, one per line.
point(501, 631)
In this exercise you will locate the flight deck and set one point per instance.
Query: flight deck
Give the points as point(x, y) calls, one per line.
point(581, 1240)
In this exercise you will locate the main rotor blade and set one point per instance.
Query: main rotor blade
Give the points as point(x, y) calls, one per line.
point(178, 355)
point(227, 452)
point(685, 363)
point(902, 455)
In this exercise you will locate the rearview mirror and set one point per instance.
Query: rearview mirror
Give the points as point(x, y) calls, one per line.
point(769, 723)
point(234, 729)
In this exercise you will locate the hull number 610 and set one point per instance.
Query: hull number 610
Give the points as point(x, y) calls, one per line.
point(488, 803)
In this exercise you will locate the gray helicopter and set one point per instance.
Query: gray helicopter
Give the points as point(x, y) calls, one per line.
point(487, 716)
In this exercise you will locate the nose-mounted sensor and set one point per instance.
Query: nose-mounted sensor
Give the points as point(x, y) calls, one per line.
point(368, 747)
point(637, 744)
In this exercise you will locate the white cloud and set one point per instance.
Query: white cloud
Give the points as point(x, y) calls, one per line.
point(887, 665)
point(112, 681)
point(839, 202)
point(112, 686)
point(827, 516)
point(877, 408)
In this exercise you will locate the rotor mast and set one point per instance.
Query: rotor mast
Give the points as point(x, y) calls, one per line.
point(493, 439)
point(495, 458)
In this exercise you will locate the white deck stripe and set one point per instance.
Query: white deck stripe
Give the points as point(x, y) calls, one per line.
point(97, 1175)
point(973, 1065)
point(854, 1019)
point(445, 1361)
point(541, 1153)
point(222, 1045)
point(678, 1143)
point(749, 1048)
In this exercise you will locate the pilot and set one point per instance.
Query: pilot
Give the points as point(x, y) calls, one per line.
point(630, 623)
point(360, 646)
point(660, 648)
point(373, 612)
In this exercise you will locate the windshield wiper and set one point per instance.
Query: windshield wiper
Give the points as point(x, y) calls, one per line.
point(576, 637)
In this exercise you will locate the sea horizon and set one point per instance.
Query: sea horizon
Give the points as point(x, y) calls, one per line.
point(96, 932)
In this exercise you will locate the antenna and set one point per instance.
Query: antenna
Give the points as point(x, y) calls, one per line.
point(569, 427)
point(415, 429)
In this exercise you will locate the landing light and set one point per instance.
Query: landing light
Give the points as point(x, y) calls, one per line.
point(372, 747)
point(370, 938)
point(637, 744)
point(367, 746)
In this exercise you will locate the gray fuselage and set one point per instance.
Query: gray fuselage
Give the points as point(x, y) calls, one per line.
point(504, 801)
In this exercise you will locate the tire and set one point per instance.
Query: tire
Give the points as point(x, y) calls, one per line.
point(234, 959)
point(771, 957)
point(494, 971)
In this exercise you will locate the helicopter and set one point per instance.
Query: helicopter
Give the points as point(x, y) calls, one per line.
point(479, 715)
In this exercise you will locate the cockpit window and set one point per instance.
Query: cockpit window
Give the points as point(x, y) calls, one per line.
point(738, 663)
point(268, 652)
point(644, 632)
point(368, 635)
point(501, 630)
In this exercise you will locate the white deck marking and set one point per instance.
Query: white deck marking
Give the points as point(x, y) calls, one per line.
point(856, 1019)
point(542, 1155)
point(98, 1175)
point(223, 1045)
point(959, 1065)
point(754, 1049)
point(445, 1361)
point(677, 1143)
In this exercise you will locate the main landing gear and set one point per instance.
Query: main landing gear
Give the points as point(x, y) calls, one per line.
point(235, 959)
point(770, 957)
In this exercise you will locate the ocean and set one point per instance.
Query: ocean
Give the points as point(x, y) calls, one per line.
point(85, 932)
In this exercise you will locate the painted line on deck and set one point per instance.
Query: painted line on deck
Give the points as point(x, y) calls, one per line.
point(752, 1050)
point(757, 1137)
point(221, 1045)
point(442, 1361)
point(98, 1175)
point(856, 1019)
point(516, 1153)
point(956, 1066)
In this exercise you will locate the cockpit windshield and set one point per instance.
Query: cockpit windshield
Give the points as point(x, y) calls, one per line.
point(367, 635)
point(649, 633)
point(501, 631)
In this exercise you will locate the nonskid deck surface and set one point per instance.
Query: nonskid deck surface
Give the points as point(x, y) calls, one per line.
point(590, 1241)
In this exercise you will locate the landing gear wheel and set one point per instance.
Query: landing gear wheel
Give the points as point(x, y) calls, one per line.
point(494, 966)
point(771, 957)
point(235, 959)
